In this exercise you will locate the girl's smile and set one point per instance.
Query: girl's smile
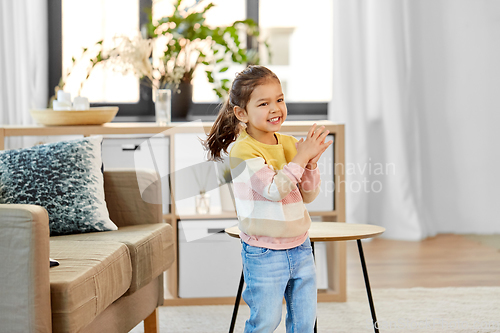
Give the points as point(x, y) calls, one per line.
point(275, 120)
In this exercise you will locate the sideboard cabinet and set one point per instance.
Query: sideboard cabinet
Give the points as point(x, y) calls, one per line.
point(335, 285)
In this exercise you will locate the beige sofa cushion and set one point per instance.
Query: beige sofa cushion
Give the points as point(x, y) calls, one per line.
point(90, 277)
point(151, 249)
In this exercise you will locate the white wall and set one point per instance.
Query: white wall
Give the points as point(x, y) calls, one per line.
point(456, 71)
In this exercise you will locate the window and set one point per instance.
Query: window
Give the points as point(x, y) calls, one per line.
point(74, 25)
point(112, 17)
point(300, 38)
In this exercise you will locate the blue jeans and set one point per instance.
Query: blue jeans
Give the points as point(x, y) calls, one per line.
point(271, 275)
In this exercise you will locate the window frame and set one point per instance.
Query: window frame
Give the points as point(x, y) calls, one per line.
point(144, 109)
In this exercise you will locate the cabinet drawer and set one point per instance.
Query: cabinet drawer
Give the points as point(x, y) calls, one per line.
point(140, 153)
point(209, 259)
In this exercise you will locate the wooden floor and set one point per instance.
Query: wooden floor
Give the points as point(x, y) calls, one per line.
point(446, 260)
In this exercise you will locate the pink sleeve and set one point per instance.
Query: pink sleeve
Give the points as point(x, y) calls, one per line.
point(294, 172)
point(256, 178)
point(310, 179)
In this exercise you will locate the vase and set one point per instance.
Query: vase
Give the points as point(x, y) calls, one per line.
point(163, 107)
point(182, 100)
point(226, 200)
point(203, 203)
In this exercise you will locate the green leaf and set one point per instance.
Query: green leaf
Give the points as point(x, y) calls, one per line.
point(224, 69)
point(210, 5)
point(218, 92)
point(210, 77)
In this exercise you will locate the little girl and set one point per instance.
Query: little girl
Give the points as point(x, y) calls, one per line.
point(273, 176)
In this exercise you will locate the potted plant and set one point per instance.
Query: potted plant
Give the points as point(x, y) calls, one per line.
point(188, 42)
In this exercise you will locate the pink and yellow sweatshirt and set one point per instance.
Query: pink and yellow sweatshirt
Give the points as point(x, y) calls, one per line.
point(270, 192)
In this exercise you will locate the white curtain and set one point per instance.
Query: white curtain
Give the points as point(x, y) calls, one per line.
point(372, 96)
point(23, 62)
point(417, 84)
point(457, 77)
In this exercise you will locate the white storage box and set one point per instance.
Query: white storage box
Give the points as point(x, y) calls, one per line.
point(209, 259)
point(140, 153)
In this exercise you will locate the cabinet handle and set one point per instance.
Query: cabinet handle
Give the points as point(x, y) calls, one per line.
point(215, 231)
point(130, 147)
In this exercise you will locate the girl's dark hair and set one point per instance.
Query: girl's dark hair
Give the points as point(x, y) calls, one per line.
point(226, 127)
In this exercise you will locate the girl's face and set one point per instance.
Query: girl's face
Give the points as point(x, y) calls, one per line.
point(265, 112)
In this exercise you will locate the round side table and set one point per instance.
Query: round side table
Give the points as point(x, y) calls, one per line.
point(327, 232)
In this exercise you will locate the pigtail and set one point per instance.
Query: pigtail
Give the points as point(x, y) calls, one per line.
point(224, 131)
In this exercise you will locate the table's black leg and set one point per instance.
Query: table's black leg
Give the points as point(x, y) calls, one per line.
point(316, 322)
point(237, 303)
point(367, 284)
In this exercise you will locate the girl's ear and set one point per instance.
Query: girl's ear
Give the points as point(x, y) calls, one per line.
point(241, 114)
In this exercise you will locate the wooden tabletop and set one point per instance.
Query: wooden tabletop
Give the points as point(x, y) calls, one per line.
point(332, 231)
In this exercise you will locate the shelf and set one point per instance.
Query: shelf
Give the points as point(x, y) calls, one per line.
point(201, 301)
point(215, 213)
point(324, 213)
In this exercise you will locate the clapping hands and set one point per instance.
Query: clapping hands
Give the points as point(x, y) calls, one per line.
point(310, 150)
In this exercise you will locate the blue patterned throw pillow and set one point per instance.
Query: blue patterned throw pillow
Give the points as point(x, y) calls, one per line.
point(63, 177)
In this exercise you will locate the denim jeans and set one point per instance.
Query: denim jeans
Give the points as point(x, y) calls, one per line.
point(271, 275)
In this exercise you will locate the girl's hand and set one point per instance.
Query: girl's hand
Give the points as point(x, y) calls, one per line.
point(312, 147)
point(298, 143)
point(312, 162)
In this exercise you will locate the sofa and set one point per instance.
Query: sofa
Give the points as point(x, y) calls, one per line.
point(106, 281)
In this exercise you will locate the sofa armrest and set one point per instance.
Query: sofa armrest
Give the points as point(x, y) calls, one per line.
point(24, 269)
point(126, 204)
